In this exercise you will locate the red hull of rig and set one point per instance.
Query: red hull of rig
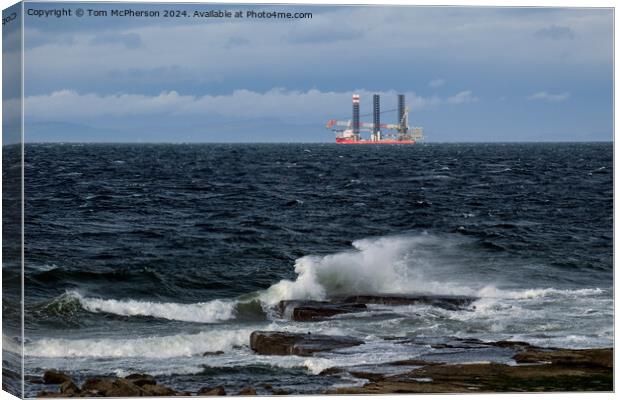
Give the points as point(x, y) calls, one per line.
point(382, 141)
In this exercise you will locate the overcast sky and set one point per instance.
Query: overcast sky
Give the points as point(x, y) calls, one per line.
point(470, 74)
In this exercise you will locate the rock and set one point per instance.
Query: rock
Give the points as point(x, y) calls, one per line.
point(247, 391)
point(280, 392)
point(69, 388)
point(141, 379)
point(216, 391)
point(564, 371)
point(212, 353)
point(449, 302)
point(106, 387)
point(300, 344)
point(51, 376)
point(310, 310)
point(96, 385)
point(295, 202)
point(267, 386)
point(123, 388)
point(588, 358)
point(332, 371)
point(509, 343)
point(157, 390)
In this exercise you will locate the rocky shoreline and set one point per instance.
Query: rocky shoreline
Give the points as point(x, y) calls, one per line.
point(537, 370)
point(533, 369)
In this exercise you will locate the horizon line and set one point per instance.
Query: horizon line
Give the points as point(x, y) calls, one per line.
point(311, 143)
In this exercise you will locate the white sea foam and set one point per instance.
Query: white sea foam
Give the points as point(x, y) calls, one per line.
point(376, 265)
point(401, 264)
point(493, 292)
point(182, 345)
point(211, 311)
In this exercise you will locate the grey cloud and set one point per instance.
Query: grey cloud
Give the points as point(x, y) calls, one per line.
point(129, 40)
point(555, 32)
point(36, 38)
point(146, 73)
point(326, 30)
point(276, 103)
point(236, 41)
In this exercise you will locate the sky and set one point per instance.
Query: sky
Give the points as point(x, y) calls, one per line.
point(469, 74)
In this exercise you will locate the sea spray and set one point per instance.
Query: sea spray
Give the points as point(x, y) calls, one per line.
point(378, 265)
point(404, 264)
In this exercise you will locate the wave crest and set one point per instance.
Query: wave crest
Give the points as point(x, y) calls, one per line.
point(206, 312)
point(183, 345)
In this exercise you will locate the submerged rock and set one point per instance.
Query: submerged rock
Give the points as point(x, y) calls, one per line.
point(310, 310)
point(300, 344)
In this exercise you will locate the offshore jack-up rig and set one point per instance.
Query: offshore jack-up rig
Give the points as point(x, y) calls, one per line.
point(348, 132)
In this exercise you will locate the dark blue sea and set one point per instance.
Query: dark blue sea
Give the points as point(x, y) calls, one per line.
point(142, 257)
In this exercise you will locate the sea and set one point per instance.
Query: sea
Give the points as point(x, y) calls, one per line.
point(163, 258)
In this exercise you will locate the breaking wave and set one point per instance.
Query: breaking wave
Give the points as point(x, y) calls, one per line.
point(207, 312)
point(183, 345)
point(396, 265)
point(374, 266)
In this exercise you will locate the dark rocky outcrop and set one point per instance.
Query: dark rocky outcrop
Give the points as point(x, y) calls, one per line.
point(130, 386)
point(111, 388)
point(141, 379)
point(157, 390)
point(212, 353)
point(310, 310)
point(538, 370)
point(69, 388)
point(449, 302)
point(51, 376)
point(301, 344)
point(215, 391)
point(247, 391)
point(549, 370)
point(587, 358)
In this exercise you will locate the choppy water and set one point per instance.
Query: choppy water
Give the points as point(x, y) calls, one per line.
point(143, 257)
